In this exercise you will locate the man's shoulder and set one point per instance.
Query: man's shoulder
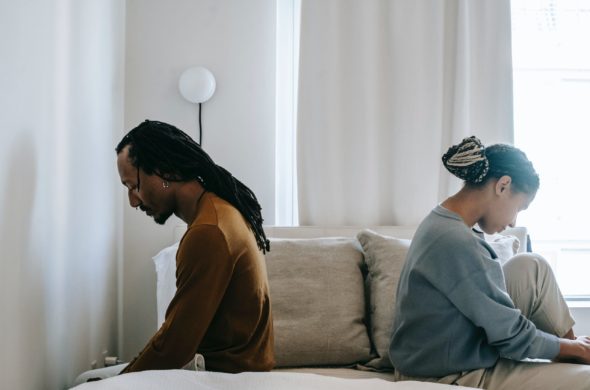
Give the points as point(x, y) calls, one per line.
point(220, 218)
point(215, 210)
point(203, 245)
point(202, 232)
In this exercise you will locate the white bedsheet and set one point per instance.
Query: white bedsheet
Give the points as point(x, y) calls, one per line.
point(183, 379)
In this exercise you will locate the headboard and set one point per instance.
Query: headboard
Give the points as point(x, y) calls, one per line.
point(321, 231)
point(350, 231)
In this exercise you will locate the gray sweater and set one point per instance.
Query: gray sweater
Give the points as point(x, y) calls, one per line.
point(452, 311)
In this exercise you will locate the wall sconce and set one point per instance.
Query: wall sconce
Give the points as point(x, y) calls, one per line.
point(197, 85)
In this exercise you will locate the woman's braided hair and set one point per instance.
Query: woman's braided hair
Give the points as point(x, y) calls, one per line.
point(476, 164)
point(164, 150)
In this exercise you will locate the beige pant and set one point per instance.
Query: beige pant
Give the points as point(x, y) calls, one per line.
point(533, 289)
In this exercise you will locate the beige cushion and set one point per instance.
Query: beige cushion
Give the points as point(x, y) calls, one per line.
point(385, 258)
point(318, 302)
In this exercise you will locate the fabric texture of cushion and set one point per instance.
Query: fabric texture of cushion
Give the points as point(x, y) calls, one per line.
point(318, 302)
point(385, 257)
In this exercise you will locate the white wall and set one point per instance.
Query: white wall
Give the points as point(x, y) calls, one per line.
point(235, 39)
point(61, 72)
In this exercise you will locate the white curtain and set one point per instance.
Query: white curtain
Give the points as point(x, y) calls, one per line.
point(385, 87)
point(61, 110)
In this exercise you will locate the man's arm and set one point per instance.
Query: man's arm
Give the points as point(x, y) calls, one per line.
point(204, 270)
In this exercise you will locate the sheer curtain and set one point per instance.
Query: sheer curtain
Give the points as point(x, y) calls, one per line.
point(385, 87)
point(61, 113)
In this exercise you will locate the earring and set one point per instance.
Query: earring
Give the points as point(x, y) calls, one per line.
point(165, 184)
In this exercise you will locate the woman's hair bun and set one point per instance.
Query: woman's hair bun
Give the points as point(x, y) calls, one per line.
point(467, 160)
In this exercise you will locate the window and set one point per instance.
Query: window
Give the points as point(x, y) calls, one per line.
point(287, 46)
point(551, 64)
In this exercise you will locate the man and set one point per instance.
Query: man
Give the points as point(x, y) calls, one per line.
point(221, 309)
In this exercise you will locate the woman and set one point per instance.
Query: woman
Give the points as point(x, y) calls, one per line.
point(462, 318)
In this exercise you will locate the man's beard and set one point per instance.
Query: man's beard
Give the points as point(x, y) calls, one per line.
point(162, 218)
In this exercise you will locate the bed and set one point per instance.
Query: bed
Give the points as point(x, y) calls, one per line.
point(306, 358)
point(183, 379)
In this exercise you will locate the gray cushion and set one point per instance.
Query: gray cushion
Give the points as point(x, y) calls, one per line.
point(318, 302)
point(385, 257)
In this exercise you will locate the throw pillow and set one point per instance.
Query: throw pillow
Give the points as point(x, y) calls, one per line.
point(504, 246)
point(165, 262)
point(318, 302)
point(385, 257)
point(520, 232)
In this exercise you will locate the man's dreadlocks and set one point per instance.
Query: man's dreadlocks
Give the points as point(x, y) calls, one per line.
point(164, 150)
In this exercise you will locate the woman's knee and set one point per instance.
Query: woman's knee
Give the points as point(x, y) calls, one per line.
point(532, 263)
point(528, 271)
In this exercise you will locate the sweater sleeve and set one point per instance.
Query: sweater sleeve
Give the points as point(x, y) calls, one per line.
point(489, 307)
point(478, 291)
point(204, 271)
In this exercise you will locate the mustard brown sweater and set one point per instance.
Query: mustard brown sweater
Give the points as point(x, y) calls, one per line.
point(221, 308)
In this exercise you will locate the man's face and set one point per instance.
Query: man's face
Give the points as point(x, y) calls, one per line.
point(145, 191)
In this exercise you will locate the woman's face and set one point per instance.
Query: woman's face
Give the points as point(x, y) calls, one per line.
point(504, 207)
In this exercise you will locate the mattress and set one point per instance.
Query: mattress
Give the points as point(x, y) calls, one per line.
point(203, 380)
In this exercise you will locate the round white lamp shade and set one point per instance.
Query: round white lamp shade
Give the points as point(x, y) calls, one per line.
point(197, 84)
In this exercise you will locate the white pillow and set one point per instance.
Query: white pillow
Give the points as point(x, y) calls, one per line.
point(504, 246)
point(165, 262)
point(520, 232)
point(508, 242)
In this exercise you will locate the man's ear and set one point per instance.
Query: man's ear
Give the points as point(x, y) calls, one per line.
point(503, 185)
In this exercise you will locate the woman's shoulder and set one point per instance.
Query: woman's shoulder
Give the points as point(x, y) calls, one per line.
point(444, 228)
point(445, 239)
